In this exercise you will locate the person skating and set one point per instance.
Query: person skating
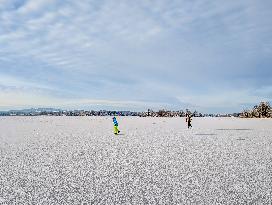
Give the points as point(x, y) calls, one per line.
point(115, 125)
point(189, 121)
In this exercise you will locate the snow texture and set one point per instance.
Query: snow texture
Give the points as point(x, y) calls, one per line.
point(78, 160)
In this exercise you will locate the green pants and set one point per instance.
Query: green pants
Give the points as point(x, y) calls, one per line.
point(116, 131)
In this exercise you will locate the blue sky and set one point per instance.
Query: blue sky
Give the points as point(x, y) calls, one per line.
point(213, 56)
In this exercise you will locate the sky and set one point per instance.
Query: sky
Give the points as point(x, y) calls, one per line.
point(205, 55)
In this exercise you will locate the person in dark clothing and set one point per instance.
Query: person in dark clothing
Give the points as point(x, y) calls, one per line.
point(189, 121)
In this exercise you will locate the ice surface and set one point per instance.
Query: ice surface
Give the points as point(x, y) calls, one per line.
point(78, 160)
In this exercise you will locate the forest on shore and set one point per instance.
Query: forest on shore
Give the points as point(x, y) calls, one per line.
point(263, 110)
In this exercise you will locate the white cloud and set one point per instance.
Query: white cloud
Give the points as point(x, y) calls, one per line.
point(34, 6)
point(225, 99)
point(132, 42)
point(15, 82)
point(23, 99)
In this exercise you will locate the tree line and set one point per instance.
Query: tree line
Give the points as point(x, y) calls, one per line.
point(263, 110)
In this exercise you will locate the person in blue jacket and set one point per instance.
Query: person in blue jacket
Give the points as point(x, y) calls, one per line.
point(115, 125)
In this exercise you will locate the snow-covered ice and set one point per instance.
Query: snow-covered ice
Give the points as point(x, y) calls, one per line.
point(78, 160)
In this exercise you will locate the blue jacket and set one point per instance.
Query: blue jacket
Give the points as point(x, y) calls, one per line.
point(115, 121)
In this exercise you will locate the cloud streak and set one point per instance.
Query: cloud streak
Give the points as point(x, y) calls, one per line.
point(175, 53)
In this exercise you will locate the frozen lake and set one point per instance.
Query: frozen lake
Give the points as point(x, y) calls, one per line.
point(78, 160)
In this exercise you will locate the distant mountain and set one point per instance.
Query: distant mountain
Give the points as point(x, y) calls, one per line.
point(35, 110)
